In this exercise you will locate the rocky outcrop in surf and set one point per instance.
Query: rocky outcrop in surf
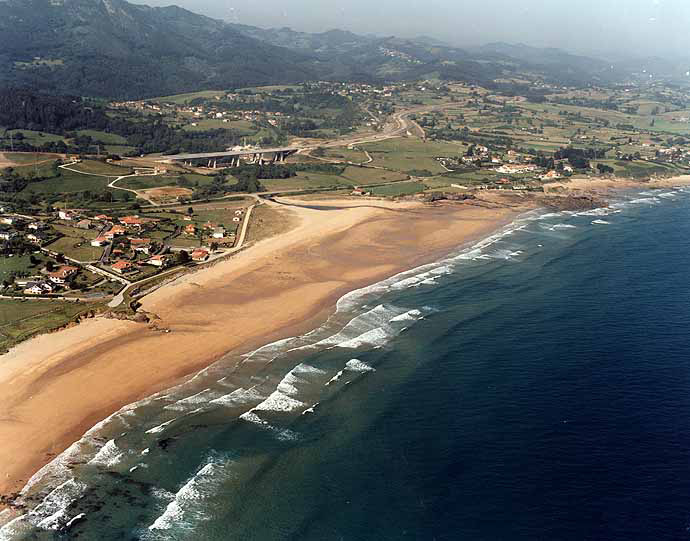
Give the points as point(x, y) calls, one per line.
point(573, 202)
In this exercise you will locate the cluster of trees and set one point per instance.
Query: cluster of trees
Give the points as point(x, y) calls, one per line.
point(491, 141)
point(604, 169)
point(64, 115)
point(245, 182)
point(11, 182)
point(21, 109)
point(579, 157)
point(279, 170)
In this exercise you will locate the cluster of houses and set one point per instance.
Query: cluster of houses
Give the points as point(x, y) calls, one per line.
point(672, 154)
point(213, 230)
point(129, 244)
point(34, 232)
point(49, 282)
point(399, 55)
point(124, 240)
point(199, 113)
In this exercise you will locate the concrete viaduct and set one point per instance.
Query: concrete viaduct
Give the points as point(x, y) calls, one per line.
point(232, 158)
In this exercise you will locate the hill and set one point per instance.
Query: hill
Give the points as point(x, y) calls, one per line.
point(112, 48)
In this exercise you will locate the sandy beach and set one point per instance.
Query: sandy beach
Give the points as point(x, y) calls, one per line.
point(55, 387)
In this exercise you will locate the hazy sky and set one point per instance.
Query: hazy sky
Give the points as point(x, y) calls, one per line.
point(639, 26)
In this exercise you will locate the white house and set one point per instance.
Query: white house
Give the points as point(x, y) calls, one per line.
point(99, 241)
point(38, 288)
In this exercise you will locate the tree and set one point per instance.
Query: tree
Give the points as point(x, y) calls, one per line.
point(604, 169)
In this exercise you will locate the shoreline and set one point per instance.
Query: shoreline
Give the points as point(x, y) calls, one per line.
point(57, 386)
point(303, 271)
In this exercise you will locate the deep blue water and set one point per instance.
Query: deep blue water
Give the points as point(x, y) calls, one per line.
point(534, 387)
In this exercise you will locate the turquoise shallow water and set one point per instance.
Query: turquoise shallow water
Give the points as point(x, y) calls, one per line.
point(534, 386)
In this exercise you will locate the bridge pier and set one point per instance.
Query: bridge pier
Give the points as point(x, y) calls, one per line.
point(233, 159)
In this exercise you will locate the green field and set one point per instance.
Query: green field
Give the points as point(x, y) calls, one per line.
point(271, 88)
point(305, 180)
point(29, 158)
point(78, 249)
point(147, 182)
point(76, 243)
point(366, 175)
point(181, 99)
point(241, 127)
point(409, 154)
point(41, 170)
point(95, 167)
point(16, 265)
point(104, 137)
point(640, 168)
point(69, 182)
point(119, 149)
point(35, 138)
point(345, 154)
point(399, 188)
point(481, 176)
point(19, 320)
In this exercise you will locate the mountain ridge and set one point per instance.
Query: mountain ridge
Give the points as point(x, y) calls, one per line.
point(115, 49)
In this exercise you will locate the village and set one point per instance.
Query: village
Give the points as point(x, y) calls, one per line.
point(77, 254)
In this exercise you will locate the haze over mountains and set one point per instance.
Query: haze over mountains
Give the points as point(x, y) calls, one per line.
point(115, 49)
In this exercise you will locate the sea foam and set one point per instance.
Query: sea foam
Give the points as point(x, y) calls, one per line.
point(188, 506)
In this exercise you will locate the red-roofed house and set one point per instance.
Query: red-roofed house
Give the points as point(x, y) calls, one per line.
point(63, 274)
point(132, 220)
point(140, 245)
point(200, 255)
point(123, 266)
point(115, 231)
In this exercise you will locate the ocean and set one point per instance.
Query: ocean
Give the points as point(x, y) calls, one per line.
point(533, 386)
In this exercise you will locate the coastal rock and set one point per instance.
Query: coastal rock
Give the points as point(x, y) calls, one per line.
point(137, 317)
point(445, 196)
point(573, 202)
